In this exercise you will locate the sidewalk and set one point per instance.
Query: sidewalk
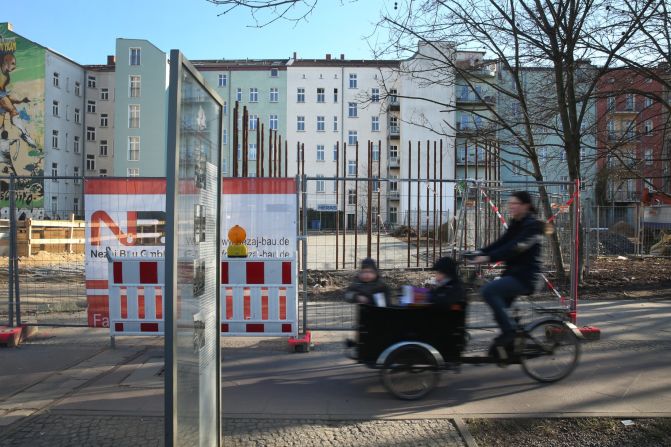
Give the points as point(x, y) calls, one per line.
point(67, 387)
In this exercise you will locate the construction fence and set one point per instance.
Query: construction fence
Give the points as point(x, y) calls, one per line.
point(405, 224)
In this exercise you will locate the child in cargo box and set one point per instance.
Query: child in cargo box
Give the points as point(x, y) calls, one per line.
point(367, 287)
point(448, 292)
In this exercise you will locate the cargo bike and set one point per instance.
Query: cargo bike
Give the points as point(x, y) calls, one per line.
point(411, 346)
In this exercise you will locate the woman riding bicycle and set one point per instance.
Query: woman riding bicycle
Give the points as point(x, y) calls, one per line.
point(520, 249)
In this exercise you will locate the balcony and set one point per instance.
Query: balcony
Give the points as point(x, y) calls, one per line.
point(474, 99)
point(466, 129)
point(393, 103)
point(394, 132)
point(394, 195)
point(624, 196)
point(394, 162)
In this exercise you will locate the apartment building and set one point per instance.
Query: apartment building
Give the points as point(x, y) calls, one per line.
point(99, 119)
point(632, 131)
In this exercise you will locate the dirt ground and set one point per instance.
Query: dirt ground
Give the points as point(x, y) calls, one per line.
point(584, 432)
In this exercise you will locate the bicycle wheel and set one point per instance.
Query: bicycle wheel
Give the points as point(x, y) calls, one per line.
point(551, 351)
point(410, 372)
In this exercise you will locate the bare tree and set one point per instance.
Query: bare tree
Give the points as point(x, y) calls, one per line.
point(265, 12)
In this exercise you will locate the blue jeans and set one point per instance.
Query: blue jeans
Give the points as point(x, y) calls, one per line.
point(500, 294)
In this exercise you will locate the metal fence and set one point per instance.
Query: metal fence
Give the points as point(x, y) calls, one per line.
point(406, 224)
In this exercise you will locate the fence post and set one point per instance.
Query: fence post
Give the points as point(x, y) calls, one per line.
point(12, 250)
point(14, 255)
point(304, 241)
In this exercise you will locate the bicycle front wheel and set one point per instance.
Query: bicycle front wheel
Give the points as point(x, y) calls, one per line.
point(551, 351)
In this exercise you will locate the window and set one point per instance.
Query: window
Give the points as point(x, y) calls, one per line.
point(320, 124)
point(648, 157)
point(253, 120)
point(628, 128)
point(352, 110)
point(393, 185)
point(393, 152)
point(335, 153)
point(103, 120)
point(611, 103)
point(351, 168)
point(253, 94)
point(352, 137)
point(225, 137)
point(91, 107)
point(648, 102)
point(610, 126)
point(392, 96)
point(103, 173)
point(75, 204)
point(629, 102)
point(54, 171)
point(393, 214)
point(134, 56)
point(56, 80)
point(300, 123)
point(274, 94)
point(335, 123)
point(223, 80)
point(351, 197)
point(648, 127)
point(273, 122)
point(375, 124)
point(321, 95)
point(104, 94)
point(300, 95)
point(77, 116)
point(134, 86)
point(54, 139)
point(274, 72)
point(75, 145)
point(320, 152)
point(375, 95)
point(134, 116)
point(54, 205)
point(90, 134)
point(133, 172)
point(376, 188)
point(133, 148)
point(103, 148)
point(376, 152)
point(78, 89)
point(352, 80)
point(75, 172)
point(564, 187)
point(238, 94)
point(54, 108)
point(393, 125)
point(251, 153)
point(320, 183)
point(335, 95)
point(91, 81)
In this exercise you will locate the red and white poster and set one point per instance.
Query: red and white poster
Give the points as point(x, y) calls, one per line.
point(127, 216)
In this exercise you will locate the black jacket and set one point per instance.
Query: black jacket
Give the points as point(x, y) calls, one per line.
point(367, 289)
point(520, 248)
point(448, 293)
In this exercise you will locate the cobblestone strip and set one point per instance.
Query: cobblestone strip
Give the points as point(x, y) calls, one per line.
point(65, 430)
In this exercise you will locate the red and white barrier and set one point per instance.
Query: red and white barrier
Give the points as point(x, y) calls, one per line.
point(258, 297)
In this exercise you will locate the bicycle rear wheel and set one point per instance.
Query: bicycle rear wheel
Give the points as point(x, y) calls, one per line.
point(410, 372)
point(551, 351)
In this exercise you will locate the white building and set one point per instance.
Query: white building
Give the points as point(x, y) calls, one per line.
point(63, 132)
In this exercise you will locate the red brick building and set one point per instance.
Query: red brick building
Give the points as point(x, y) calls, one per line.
point(632, 136)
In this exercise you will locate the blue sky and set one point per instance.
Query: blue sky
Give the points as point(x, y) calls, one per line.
point(85, 30)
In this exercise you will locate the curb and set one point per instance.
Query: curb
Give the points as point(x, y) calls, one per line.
point(465, 433)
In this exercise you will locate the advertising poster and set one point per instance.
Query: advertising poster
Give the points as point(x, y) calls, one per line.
point(22, 70)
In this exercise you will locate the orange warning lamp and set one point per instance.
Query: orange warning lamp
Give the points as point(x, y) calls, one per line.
point(237, 236)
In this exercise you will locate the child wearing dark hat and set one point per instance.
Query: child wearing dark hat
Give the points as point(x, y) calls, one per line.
point(448, 290)
point(367, 287)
